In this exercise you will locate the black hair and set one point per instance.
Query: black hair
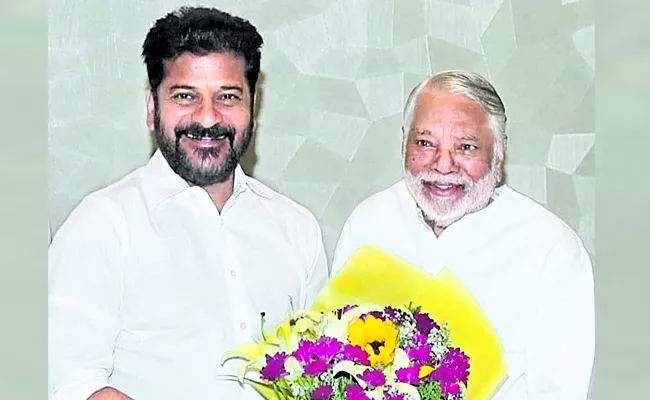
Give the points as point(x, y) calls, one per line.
point(201, 31)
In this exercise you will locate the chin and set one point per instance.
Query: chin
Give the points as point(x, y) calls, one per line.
point(444, 217)
point(446, 212)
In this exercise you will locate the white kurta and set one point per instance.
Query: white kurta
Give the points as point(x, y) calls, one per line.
point(149, 284)
point(529, 271)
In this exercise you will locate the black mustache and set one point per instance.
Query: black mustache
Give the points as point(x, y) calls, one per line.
point(214, 132)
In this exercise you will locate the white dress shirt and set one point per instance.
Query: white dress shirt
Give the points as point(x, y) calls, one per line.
point(528, 270)
point(149, 284)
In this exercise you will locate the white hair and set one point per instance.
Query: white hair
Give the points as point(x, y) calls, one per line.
point(472, 86)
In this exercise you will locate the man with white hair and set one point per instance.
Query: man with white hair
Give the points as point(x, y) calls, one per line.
point(527, 269)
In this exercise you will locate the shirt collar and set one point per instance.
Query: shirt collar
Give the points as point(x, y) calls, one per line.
point(164, 184)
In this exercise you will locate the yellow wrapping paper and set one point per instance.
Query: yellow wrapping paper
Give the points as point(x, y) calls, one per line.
point(372, 276)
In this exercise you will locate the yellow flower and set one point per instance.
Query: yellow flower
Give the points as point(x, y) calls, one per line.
point(425, 371)
point(377, 337)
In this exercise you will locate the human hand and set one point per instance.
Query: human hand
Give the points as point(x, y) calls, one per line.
point(108, 393)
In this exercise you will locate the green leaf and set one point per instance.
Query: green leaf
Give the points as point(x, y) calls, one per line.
point(430, 390)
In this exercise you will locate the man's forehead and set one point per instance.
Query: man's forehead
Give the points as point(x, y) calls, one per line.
point(434, 98)
point(188, 59)
point(214, 67)
point(447, 106)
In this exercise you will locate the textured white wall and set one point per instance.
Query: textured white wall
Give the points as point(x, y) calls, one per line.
point(336, 74)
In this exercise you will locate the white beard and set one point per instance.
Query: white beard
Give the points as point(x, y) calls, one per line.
point(445, 212)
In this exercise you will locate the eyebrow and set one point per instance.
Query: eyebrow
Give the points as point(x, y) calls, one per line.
point(420, 132)
point(470, 138)
point(237, 88)
point(174, 87)
point(189, 87)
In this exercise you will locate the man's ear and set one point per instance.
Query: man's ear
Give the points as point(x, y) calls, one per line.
point(504, 147)
point(500, 164)
point(254, 110)
point(255, 107)
point(151, 110)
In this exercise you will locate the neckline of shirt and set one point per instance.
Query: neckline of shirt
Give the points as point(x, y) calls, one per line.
point(483, 213)
point(166, 184)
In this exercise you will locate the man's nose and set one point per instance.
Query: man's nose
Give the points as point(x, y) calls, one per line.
point(207, 114)
point(445, 163)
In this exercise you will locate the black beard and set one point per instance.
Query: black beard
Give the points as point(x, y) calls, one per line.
point(199, 175)
point(198, 132)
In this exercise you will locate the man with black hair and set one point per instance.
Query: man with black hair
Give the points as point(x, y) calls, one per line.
point(153, 278)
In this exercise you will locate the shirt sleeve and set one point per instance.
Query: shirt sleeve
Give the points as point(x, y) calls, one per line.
point(318, 273)
point(560, 352)
point(84, 295)
point(345, 246)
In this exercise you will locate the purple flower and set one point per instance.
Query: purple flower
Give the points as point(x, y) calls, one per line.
point(454, 368)
point(409, 375)
point(274, 367)
point(396, 315)
point(419, 340)
point(322, 393)
point(316, 367)
point(424, 323)
point(355, 354)
point(339, 313)
point(305, 352)
point(449, 388)
point(327, 348)
point(354, 392)
point(373, 377)
point(376, 314)
point(420, 354)
point(397, 396)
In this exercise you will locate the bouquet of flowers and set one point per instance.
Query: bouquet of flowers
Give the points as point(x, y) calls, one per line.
point(363, 338)
point(359, 353)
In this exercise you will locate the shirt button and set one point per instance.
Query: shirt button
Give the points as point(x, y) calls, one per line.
point(233, 273)
point(242, 325)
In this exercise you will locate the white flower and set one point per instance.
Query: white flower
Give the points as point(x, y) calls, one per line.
point(298, 391)
point(406, 334)
point(439, 341)
point(294, 368)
